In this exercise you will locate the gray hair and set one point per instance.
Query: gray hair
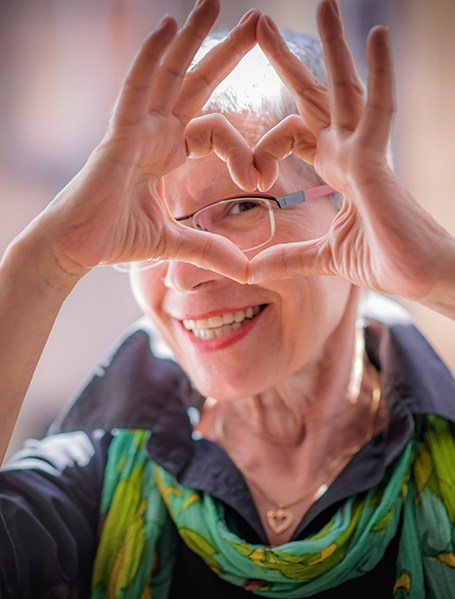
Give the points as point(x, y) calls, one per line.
point(255, 88)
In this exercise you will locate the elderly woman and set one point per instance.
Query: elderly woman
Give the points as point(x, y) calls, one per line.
point(294, 439)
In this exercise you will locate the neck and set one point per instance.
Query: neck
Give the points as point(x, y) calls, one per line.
point(292, 441)
point(317, 398)
point(280, 512)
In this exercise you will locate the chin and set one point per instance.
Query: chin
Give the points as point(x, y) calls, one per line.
point(223, 387)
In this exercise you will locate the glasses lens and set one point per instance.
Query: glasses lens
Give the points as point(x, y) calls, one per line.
point(136, 266)
point(247, 221)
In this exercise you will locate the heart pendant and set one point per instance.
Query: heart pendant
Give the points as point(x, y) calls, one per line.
point(279, 520)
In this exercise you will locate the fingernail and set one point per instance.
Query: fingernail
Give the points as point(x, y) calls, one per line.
point(335, 8)
point(162, 22)
point(387, 35)
point(253, 178)
point(253, 279)
point(246, 16)
point(271, 23)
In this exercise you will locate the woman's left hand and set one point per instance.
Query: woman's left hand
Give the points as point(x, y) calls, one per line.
point(381, 239)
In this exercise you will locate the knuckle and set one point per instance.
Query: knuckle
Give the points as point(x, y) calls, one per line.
point(388, 108)
point(172, 71)
point(293, 122)
point(217, 120)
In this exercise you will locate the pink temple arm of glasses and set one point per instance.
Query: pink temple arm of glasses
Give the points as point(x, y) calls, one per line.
point(317, 192)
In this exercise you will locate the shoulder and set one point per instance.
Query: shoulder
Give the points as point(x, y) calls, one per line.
point(129, 387)
point(408, 363)
point(67, 465)
point(49, 514)
point(56, 453)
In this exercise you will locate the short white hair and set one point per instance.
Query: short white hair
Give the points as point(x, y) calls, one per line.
point(254, 87)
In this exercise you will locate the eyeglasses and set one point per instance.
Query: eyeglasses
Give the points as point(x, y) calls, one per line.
point(248, 221)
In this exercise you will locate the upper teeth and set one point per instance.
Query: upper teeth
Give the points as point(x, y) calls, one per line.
point(222, 324)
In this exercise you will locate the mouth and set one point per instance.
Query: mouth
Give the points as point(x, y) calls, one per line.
point(220, 325)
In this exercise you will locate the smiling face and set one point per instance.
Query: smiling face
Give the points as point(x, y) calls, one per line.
point(238, 340)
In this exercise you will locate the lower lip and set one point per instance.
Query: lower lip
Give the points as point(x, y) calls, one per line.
point(208, 345)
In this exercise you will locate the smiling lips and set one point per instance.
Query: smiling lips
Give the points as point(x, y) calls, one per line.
point(218, 326)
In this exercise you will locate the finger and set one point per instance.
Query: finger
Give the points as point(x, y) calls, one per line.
point(179, 55)
point(345, 88)
point(291, 135)
point(214, 133)
point(200, 82)
point(209, 251)
point(288, 260)
point(376, 124)
point(134, 97)
point(310, 95)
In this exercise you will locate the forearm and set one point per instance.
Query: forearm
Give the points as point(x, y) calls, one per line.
point(30, 300)
point(442, 296)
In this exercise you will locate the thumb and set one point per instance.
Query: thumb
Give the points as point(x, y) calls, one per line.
point(208, 251)
point(287, 260)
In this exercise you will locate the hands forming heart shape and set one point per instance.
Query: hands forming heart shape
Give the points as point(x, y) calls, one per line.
point(113, 210)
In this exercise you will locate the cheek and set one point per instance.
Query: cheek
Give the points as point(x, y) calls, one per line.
point(148, 290)
point(310, 310)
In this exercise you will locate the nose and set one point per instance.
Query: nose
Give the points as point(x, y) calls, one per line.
point(182, 276)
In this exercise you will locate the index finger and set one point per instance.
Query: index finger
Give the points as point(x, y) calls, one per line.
point(310, 95)
point(134, 96)
point(215, 66)
point(346, 92)
point(168, 79)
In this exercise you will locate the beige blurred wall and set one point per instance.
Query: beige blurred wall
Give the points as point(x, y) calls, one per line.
point(60, 66)
point(424, 47)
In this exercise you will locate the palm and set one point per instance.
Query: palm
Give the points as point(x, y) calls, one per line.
point(129, 220)
point(379, 222)
point(367, 259)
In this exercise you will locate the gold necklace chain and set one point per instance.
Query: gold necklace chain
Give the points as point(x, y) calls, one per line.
point(281, 518)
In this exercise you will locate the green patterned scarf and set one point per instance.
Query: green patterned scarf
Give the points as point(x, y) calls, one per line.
point(143, 507)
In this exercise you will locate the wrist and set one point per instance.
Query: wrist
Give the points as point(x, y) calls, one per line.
point(441, 297)
point(30, 257)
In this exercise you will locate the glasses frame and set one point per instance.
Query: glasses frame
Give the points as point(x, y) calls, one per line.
point(287, 201)
point(282, 202)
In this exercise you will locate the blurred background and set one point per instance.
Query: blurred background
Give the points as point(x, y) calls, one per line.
point(61, 64)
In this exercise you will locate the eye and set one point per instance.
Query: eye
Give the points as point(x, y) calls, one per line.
point(241, 206)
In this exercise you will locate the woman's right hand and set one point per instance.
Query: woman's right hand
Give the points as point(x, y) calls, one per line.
point(112, 210)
